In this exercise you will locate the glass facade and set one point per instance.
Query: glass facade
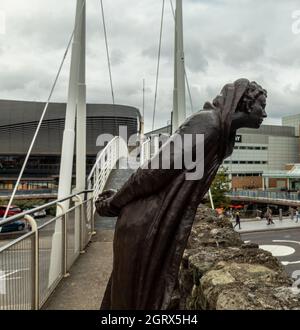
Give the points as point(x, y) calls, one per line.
point(246, 162)
point(41, 172)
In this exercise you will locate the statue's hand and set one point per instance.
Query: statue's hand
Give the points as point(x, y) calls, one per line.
point(104, 206)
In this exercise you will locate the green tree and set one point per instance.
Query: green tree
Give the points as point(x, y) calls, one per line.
point(219, 187)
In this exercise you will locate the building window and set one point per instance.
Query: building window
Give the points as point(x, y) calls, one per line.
point(243, 162)
point(250, 148)
point(245, 174)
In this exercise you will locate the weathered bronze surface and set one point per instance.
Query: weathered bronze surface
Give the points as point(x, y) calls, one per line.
point(156, 207)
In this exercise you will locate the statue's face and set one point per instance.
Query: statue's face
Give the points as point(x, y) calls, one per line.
point(258, 113)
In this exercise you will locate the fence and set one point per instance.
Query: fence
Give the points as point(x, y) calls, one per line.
point(109, 156)
point(145, 151)
point(32, 265)
point(273, 195)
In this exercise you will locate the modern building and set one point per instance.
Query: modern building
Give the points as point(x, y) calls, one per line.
point(292, 121)
point(264, 158)
point(18, 121)
point(259, 151)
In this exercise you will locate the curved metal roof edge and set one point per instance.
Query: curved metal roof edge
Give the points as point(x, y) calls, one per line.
point(35, 107)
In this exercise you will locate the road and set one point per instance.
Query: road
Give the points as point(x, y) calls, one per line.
point(284, 244)
point(5, 238)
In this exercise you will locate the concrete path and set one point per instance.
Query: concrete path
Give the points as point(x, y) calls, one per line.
point(248, 226)
point(85, 287)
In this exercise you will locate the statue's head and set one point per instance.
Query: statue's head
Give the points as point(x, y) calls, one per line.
point(243, 102)
point(252, 105)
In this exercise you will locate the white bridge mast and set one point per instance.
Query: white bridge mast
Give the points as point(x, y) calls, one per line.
point(76, 109)
point(76, 105)
point(179, 107)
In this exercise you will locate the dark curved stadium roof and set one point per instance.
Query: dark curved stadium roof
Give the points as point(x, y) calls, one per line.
point(15, 112)
point(19, 119)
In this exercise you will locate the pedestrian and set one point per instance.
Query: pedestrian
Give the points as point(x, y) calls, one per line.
point(297, 215)
point(237, 220)
point(269, 216)
point(292, 213)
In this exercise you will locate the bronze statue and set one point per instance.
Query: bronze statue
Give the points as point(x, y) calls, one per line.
point(156, 207)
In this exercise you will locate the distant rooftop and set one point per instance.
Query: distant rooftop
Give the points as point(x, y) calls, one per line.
point(263, 130)
point(269, 130)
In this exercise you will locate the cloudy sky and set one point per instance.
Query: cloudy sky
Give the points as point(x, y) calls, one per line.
point(224, 40)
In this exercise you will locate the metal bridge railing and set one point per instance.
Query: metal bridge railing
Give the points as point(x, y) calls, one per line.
point(29, 192)
point(26, 264)
point(145, 151)
point(274, 195)
point(105, 163)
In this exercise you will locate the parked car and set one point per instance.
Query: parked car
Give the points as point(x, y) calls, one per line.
point(18, 225)
point(13, 210)
point(37, 214)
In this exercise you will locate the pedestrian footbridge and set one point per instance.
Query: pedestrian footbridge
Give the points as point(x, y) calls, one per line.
point(266, 197)
point(65, 263)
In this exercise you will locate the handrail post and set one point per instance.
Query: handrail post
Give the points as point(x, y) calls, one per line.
point(64, 240)
point(93, 231)
point(80, 202)
point(35, 261)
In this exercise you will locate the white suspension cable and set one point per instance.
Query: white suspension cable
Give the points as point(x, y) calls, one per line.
point(107, 52)
point(189, 91)
point(144, 99)
point(186, 78)
point(158, 62)
point(40, 123)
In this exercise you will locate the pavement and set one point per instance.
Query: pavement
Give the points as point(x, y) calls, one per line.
point(253, 225)
point(85, 287)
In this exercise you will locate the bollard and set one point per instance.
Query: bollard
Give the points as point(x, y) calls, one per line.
point(280, 214)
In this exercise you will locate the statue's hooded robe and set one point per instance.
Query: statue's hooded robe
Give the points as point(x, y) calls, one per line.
point(157, 209)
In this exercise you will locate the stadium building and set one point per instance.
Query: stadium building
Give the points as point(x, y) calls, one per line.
point(18, 122)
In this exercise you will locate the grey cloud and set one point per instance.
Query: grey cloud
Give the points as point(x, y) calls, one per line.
point(117, 57)
point(240, 50)
point(195, 57)
point(224, 40)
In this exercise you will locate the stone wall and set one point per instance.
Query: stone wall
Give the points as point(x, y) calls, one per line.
point(220, 272)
